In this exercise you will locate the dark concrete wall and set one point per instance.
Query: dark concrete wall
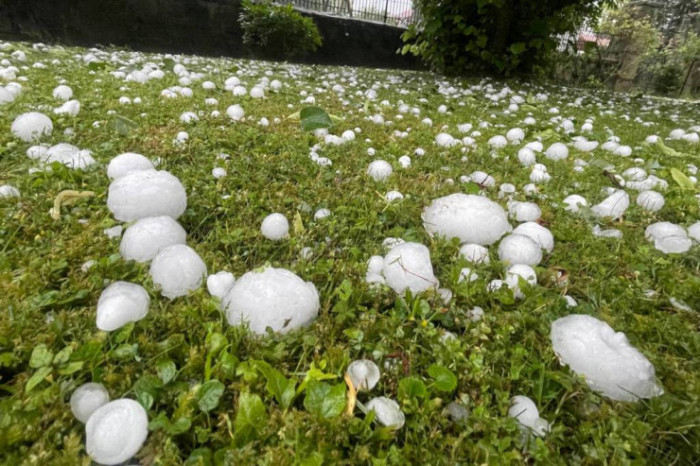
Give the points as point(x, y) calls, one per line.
point(203, 27)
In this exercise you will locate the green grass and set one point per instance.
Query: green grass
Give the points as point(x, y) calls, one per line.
point(45, 298)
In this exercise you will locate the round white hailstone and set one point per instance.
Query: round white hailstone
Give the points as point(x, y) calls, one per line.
point(445, 140)
point(6, 96)
point(557, 151)
point(526, 156)
point(574, 202)
point(515, 135)
point(128, 162)
point(515, 273)
point(257, 92)
point(605, 359)
point(634, 174)
point(674, 244)
point(71, 108)
point(482, 179)
point(379, 170)
point(306, 253)
point(676, 134)
point(587, 127)
point(177, 269)
point(386, 412)
point(427, 122)
point(623, 151)
point(519, 249)
point(235, 112)
point(62, 92)
point(121, 303)
point(375, 265)
point(497, 142)
point(475, 253)
point(322, 213)
point(189, 117)
point(471, 218)
point(7, 191)
point(144, 239)
point(371, 151)
point(651, 200)
point(506, 188)
point(475, 314)
point(115, 431)
point(348, 135)
point(208, 85)
point(442, 109)
point(218, 172)
point(275, 298)
point(524, 211)
point(37, 152)
point(31, 126)
point(694, 231)
point(495, 285)
point(69, 155)
point(275, 85)
point(393, 196)
point(585, 146)
point(613, 206)
point(570, 302)
point(405, 161)
point(467, 274)
point(146, 193)
point(523, 409)
point(86, 399)
point(692, 138)
point(364, 374)
point(539, 176)
point(535, 146)
point(275, 227)
point(239, 91)
point(220, 283)
point(660, 230)
point(653, 139)
point(537, 233)
point(408, 266)
point(464, 127)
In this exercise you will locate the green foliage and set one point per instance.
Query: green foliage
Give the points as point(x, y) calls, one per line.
point(314, 118)
point(325, 400)
point(495, 36)
point(277, 31)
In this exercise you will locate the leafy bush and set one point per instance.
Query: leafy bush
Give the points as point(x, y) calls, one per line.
point(502, 36)
point(277, 31)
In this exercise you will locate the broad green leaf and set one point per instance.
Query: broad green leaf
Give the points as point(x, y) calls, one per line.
point(445, 380)
point(682, 180)
point(278, 385)
point(122, 125)
point(37, 378)
point(250, 416)
point(168, 64)
point(180, 426)
point(41, 356)
point(517, 48)
point(146, 390)
point(166, 370)
point(71, 368)
point(209, 395)
point(412, 387)
point(325, 400)
point(215, 343)
point(63, 356)
point(314, 118)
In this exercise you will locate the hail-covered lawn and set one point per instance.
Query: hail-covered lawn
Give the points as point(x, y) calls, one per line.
point(453, 272)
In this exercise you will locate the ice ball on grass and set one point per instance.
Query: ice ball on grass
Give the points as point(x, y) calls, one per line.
point(574, 203)
point(526, 156)
point(128, 162)
point(275, 298)
point(30, 127)
point(660, 230)
point(408, 266)
point(145, 238)
point(275, 227)
point(364, 374)
point(146, 193)
point(386, 412)
point(694, 231)
point(517, 272)
point(613, 206)
point(235, 112)
point(70, 108)
point(7, 191)
point(220, 283)
point(537, 233)
point(651, 200)
point(320, 214)
point(475, 253)
point(557, 151)
point(524, 211)
point(523, 409)
point(121, 303)
point(472, 219)
point(606, 360)
point(674, 244)
point(379, 170)
point(68, 155)
point(177, 269)
point(116, 431)
point(519, 249)
point(86, 399)
point(62, 92)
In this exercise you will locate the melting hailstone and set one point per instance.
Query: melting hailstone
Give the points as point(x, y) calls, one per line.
point(408, 266)
point(31, 126)
point(537, 233)
point(519, 249)
point(128, 162)
point(145, 238)
point(146, 193)
point(386, 412)
point(275, 298)
point(177, 269)
point(613, 206)
point(220, 283)
point(86, 399)
point(275, 227)
point(364, 374)
point(121, 303)
point(607, 361)
point(523, 409)
point(115, 431)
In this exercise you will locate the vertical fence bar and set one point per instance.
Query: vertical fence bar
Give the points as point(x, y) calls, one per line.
point(386, 10)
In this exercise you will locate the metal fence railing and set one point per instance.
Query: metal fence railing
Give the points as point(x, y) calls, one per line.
point(393, 12)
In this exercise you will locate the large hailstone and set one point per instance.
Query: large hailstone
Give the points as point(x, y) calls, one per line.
point(574, 203)
point(519, 249)
point(31, 126)
point(275, 227)
point(408, 266)
point(537, 233)
point(364, 374)
point(475, 253)
point(86, 399)
point(7, 191)
point(275, 298)
point(177, 270)
point(146, 193)
point(557, 151)
point(524, 211)
point(115, 432)
point(121, 303)
point(613, 206)
point(651, 200)
point(69, 155)
point(220, 283)
point(472, 219)
point(387, 412)
point(379, 170)
point(523, 409)
point(62, 92)
point(605, 359)
point(145, 238)
point(128, 162)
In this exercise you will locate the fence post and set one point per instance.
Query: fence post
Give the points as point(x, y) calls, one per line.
point(386, 11)
point(687, 77)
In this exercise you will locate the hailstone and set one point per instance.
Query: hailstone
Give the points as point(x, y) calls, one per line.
point(177, 269)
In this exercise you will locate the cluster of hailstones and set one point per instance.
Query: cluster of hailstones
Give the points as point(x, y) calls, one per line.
point(151, 201)
point(590, 347)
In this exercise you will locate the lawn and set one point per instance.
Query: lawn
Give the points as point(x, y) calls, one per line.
point(221, 394)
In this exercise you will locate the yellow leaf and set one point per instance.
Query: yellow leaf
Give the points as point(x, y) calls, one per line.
point(298, 224)
point(65, 198)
